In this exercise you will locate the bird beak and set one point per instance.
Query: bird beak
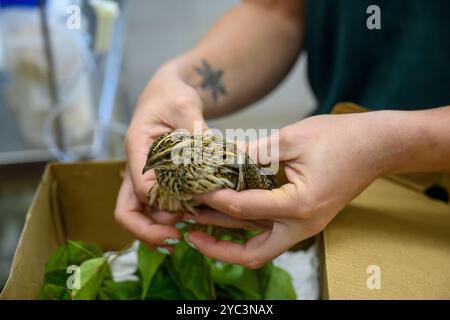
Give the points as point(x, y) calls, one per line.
point(151, 164)
point(148, 166)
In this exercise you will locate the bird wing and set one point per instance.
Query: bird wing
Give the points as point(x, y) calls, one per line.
point(251, 177)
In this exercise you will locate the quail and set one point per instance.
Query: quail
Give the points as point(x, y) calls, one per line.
point(186, 165)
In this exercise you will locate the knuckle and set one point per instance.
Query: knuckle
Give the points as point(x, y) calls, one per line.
point(253, 264)
point(144, 232)
point(284, 137)
point(306, 208)
point(118, 216)
point(316, 227)
point(303, 213)
point(235, 210)
point(288, 137)
point(185, 102)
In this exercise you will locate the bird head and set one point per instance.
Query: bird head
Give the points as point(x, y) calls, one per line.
point(162, 151)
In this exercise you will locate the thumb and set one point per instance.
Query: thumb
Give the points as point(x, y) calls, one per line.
point(189, 116)
point(271, 149)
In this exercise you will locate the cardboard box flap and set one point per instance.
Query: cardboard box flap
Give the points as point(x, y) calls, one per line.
point(39, 239)
point(86, 201)
point(396, 229)
point(73, 201)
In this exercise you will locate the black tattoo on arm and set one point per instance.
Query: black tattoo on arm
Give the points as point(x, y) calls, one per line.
point(211, 80)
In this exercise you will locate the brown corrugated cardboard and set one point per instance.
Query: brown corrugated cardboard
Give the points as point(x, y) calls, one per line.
point(73, 201)
point(401, 231)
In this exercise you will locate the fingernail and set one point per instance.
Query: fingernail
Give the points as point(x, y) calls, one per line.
point(163, 250)
point(188, 242)
point(190, 221)
point(171, 241)
point(180, 225)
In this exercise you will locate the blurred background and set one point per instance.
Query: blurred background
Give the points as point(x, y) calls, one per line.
point(71, 72)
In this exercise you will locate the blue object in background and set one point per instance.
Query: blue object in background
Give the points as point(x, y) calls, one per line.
point(18, 3)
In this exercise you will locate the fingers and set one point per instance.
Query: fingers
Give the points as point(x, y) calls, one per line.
point(129, 213)
point(163, 217)
point(271, 149)
point(254, 204)
point(209, 216)
point(136, 147)
point(253, 254)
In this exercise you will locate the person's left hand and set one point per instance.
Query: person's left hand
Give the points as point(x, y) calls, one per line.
point(328, 161)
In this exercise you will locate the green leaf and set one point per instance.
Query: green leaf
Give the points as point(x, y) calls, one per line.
point(195, 275)
point(92, 273)
point(173, 264)
point(176, 279)
point(233, 235)
point(228, 293)
point(227, 274)
point(163, 287)
point(57, 277)
point(248, 284)
point(191, 272)
point(280, 286)
point(148, 264)
point(186, 274)
point(123, 290)
point(53, 292)
point(264, 273)
point(180, 250)
point(103, 295)
point(72, 253)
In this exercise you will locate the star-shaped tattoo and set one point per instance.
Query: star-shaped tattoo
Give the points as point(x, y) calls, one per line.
point(212, 80)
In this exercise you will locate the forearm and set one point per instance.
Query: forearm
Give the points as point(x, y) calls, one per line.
point(254, 46)
point(416, 141)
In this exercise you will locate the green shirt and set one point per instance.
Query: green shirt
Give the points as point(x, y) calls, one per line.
point(405, 65)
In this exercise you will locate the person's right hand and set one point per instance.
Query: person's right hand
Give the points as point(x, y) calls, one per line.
point(166, 104)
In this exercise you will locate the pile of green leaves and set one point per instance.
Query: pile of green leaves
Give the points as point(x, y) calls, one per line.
point(185, 274)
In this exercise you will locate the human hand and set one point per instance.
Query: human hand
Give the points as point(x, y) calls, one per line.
point(166, 104)
point(328, 161)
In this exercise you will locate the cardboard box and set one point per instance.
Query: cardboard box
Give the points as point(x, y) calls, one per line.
point(392, 225)
point(395, 233)
point(73, 201)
